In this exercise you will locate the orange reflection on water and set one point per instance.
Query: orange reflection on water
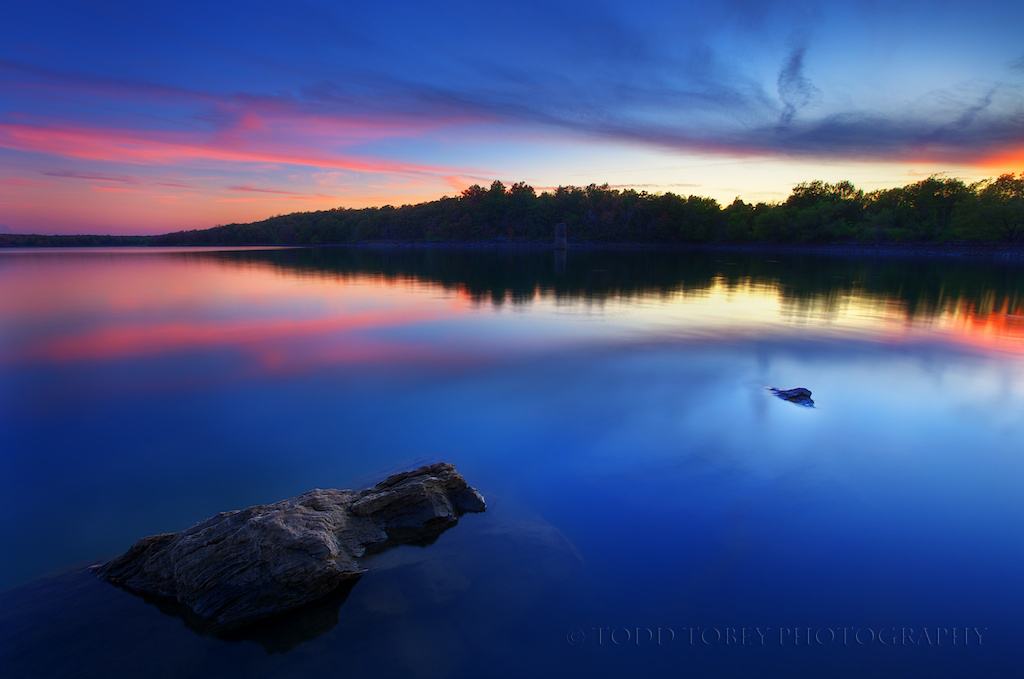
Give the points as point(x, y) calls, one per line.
point(116, 305)
point(102, 306)
point(999, 329)
point(849, 313)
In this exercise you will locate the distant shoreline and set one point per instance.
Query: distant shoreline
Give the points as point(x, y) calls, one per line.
point(1001, 251)
point(998, 251)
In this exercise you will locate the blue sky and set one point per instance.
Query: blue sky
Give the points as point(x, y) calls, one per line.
point(123, 117)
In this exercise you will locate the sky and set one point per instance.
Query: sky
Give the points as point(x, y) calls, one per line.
point(149, 117)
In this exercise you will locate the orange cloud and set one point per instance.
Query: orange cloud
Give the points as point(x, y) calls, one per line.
point(1007, 161)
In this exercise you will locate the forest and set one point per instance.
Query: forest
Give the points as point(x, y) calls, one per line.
point(936, 210)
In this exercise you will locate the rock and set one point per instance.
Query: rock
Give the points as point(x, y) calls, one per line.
point(799, 395)
point(245, 565)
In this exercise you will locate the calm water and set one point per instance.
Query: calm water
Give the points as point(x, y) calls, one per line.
point(611, 407)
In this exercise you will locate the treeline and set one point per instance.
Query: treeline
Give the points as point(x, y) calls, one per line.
point(936, 210)
point(13, 240)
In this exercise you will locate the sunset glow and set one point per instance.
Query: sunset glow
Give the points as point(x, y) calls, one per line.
point(145, 120)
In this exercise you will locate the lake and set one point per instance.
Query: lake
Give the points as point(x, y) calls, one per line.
point(653, 510)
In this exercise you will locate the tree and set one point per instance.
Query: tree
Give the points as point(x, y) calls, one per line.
point(926, 208)
point(474, 192)
point(1002, 207)
point(739, 221)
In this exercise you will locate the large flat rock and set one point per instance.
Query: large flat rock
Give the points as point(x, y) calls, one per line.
point(245, 565)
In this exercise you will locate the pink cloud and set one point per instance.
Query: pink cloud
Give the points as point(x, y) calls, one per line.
point(166, 148)
point(280, 192)
point(226, 136)
point(241, 112)
point(258, 190)
point(237, 123)
point(92, 176)
point(115, 189)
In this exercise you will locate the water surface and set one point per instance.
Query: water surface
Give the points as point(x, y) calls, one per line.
point(611, 406)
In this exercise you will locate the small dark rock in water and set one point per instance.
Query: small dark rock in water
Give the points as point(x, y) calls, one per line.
point(245, 565)
point(799, 395)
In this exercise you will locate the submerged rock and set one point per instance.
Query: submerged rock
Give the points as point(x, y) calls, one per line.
point(799, 395)
point(245, 565)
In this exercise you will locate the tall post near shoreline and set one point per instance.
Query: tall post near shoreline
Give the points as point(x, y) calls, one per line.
point(559, 236)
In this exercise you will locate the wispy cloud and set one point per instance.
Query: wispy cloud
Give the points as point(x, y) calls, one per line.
point(258, 190)
point(116, 189)
point(278, 192)
point(612, 77)
point(91, 176)
point(146, 147)
point(795, 90)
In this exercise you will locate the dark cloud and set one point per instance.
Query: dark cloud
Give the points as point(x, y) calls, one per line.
point(795, 90)
point(962, 137)
point(715, 77)
point(674, 79)
point(963, 121)
point(969, 130)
